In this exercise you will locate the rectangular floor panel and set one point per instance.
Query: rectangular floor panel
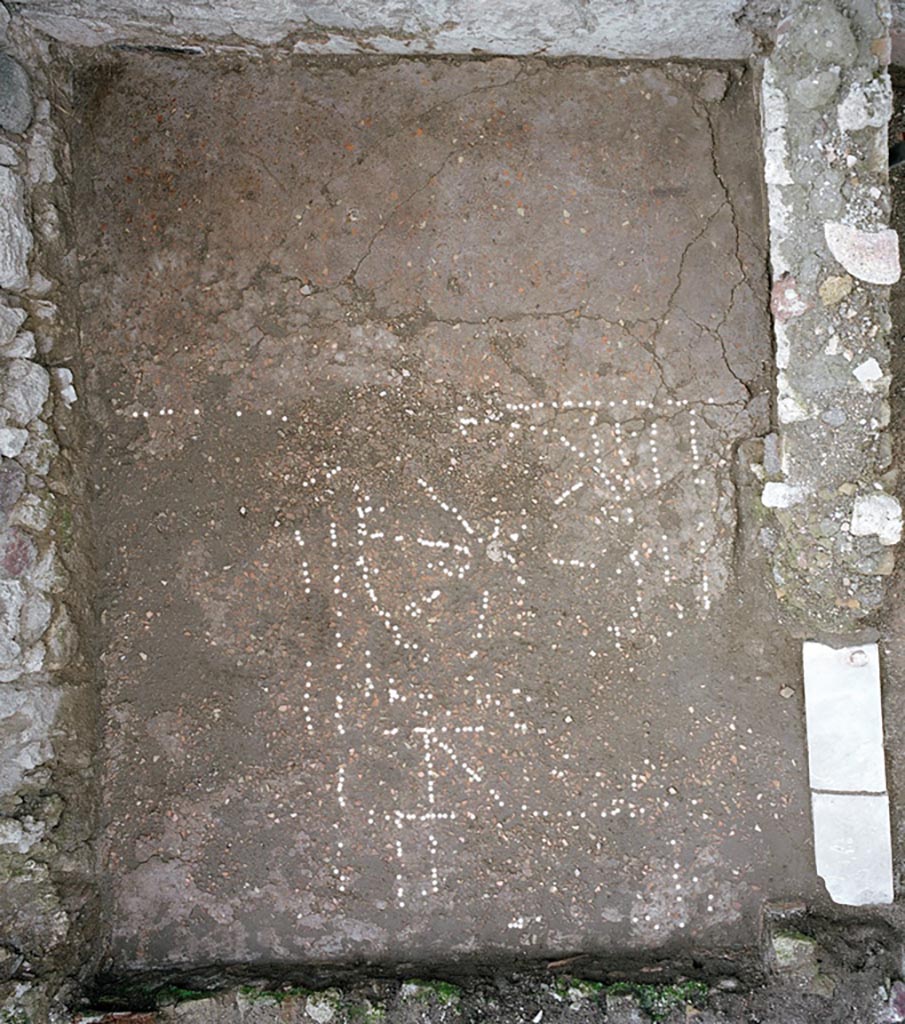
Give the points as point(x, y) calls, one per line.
point(853, 847)
point(844, 718)
point(417, 388)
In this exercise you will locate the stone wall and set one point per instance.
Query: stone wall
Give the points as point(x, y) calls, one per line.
point(828, 474)
point(719, 29)
point(47, 719)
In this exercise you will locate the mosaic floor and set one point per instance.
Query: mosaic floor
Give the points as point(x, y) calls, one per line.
point(427, 633)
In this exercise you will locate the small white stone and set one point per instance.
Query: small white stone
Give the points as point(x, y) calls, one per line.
point(779, 495)
point(495, 551)
point(869, 372)
point(877, 515)
point(790, 410)
point(63, 378)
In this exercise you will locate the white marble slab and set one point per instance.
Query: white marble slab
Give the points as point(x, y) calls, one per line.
point(844, 718)
point(853, 848)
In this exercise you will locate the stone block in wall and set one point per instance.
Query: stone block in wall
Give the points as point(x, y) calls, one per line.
point(15, 234)
point(15, 96)
point(24, 388)
point(27, 717)
point(11, 319)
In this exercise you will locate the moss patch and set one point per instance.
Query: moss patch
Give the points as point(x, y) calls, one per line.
point(443, 992)
point(366, 1012)
point(14, 1017)
point(280, 995)
point(170, 994)
point(659, 1001)
point(576, 989)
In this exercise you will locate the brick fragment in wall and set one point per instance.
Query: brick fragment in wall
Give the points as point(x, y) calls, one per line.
point(18, 553)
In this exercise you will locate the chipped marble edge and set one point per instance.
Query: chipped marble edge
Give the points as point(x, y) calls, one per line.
point(847, 773)
point(853, 847)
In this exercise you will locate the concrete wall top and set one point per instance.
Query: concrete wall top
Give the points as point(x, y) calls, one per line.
point(704, 29)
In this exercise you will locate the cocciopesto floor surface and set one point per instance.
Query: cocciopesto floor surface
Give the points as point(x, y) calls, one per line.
point(417, 389)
